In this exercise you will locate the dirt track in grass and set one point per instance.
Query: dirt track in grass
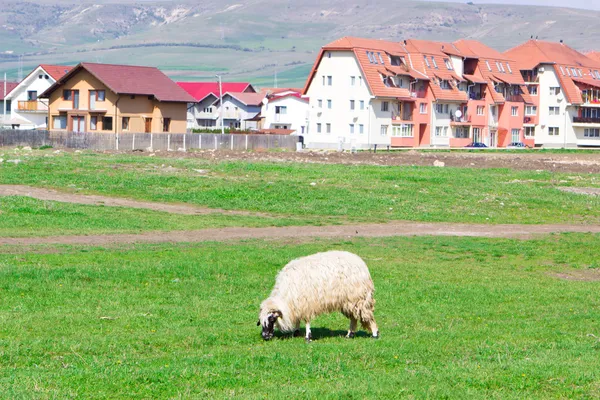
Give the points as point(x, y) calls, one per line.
point(398, 228)
point(95, 200)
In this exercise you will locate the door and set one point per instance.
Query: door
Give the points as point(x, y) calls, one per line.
point(78, 124)
point(148, 125)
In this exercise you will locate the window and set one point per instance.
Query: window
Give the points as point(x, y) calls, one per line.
point(574, 71)
point(351, 104)
point(568, 71)
point(107, 123)
point(562, 70)
point(515, 111)
point(426, 61)
point(328, 128)
point(580, 73)
point(439, 131)
point(383, 131)
point(591, 133)
point(444, 84)
point(360, 81)
point(530, 110)
point(329, 80)
point(320, 103)
point(31, 95)
point(554, 91)
point(509, 68)
point(370, 56)
point(59, 122)
point(67, 95)
point(385, 106)
point(361, 128)
point(448, 64)
point(101, 95)
point(533, 90)
point(446, 111)
point(515, 135)
point(125, 123)
point(329, 104)
point(553, 131)
point(480, 110)
point(352, 80)
point(208, 110)
point(499, 66)
point(404, 130)
point(328, 54)
point(554, 111)
point(597, 74)
point(434, 62)
point(488, 65)
point(281, 110)
point(423, 108)
point(93, 123)
point(318, 128)
point(362, 104)
point(323, 80)
point(529, 131)
point(166, 124)
point(351, 128)
point(380, 59)
point(40, 76)
point(476, 134)
point(439, 108)
point(462, 132)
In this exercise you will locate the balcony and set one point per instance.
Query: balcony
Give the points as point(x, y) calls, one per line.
point(476, 96)
point(419, 94)
point(400, 118)
point(464, 120)
point(32, 106)
point(586, 121)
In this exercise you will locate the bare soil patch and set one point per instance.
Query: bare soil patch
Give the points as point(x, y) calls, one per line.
point(581, 190)
point(398, 228)
point(567, 162)
point(95, 200)
point(586, 275)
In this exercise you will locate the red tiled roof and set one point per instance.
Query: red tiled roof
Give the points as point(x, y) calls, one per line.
point(285, 96)
point(475, 78)
point(589, 82)
point(249, 99)
point(131, 80)
point(534, 52)
point(594, 55)
point(56, 71)
point(200, 90)
point(9, 87)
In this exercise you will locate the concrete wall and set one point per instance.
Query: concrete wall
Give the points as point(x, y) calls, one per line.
point(296, 116)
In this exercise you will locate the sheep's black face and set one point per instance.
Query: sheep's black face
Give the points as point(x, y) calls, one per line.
point(268, 326)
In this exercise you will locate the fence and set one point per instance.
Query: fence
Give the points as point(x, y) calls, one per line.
point(145, 141)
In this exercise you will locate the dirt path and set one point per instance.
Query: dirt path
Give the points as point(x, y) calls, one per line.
point(397, 228)
point(95, 200)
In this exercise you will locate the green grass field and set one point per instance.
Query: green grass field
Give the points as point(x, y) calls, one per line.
point(340, 192)
point(459, 318)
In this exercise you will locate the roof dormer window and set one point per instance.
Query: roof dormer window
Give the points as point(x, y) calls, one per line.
point(448, 64)
point(509, 68)
point(426, 61)
point(568, 71)
point(488, 65)
point(562, 70)
point(370, 57)
point(434, 63)
point(580, 73)
point(380, 58)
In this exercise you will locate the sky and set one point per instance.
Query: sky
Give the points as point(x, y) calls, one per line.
point(587, 4)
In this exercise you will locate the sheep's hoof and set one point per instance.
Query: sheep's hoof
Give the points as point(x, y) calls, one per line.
point(376, 336)
point(308, 339)
point(296, 333)
point(350, 335)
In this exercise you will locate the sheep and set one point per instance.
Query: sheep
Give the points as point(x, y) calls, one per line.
point(319, 284)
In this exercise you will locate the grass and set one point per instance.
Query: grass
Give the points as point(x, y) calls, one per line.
point(316, 191)
point(459, 318)
point(27, 217)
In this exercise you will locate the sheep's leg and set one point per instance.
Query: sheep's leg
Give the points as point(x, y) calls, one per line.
point(308, 336)
point(352, 328)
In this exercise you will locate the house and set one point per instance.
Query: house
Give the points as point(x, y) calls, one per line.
point(413, 93)
point(203, 112)
point(239, 109)
point(5, 104)
point(116, 98)
point(26, 110)
point(568, 87)
point(284, 109)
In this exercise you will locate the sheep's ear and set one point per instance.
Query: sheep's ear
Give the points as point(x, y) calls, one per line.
point(258, 323)
point(277, 314)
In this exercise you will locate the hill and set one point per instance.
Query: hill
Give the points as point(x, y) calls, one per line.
point(253, 39)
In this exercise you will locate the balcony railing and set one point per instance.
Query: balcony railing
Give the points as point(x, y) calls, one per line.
point(419, 94)
point(464, 119)
point(402, 117)
point(476, 96)
point(32, 105)
point(586, 120)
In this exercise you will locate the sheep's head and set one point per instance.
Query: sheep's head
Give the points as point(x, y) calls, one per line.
point(268, 320)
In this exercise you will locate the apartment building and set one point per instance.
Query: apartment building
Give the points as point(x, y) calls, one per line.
point(568, 93)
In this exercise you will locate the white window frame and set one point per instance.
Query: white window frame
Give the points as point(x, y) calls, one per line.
point(553, 131)
point(514, 111)
point(328, 127)
point(480, 110)
point(383, 130)
point(385, 106)
point(530, 110)
point(529, 131)
point(423, 108)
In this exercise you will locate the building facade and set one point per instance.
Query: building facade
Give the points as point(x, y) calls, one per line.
point(116, 98)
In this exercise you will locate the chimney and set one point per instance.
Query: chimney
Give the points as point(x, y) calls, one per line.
point(405, 42)
point(561, 41)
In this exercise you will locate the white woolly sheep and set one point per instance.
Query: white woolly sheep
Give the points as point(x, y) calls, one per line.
point(318, 284)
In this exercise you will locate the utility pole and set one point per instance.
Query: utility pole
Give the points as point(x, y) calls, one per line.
point(221, 104)
point(4, 102)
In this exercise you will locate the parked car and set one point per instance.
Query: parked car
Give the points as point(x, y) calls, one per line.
point(517, 145)
point(476, 145)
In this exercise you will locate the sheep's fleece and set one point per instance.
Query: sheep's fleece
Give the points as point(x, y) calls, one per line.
point(318, 284)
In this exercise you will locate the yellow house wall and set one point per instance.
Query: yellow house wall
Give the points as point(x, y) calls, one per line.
point(137, 107)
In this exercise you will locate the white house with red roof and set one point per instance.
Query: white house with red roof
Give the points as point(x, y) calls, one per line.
point(26, 110)
point(205, 113)
point(284, 109)
point(568, 88)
